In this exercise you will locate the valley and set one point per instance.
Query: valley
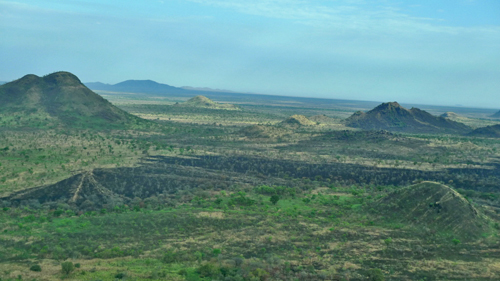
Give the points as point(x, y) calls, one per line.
point(230, 187)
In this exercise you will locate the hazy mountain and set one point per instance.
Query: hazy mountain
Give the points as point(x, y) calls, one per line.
point(137, 86)
point(393, 117)
point(58, 99)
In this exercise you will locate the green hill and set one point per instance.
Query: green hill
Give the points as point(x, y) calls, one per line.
point(58, 100)
point(435, 206)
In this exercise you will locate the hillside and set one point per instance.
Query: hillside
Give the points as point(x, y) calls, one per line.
point(435, 206)
point(489, 132)
point(297, 120)
point(54, 100)
point(322, 119)
point(393, 117)
point(496, 115)
point(204, 102)
point(263, 132)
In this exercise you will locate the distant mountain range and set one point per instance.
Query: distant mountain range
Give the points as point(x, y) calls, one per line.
point(137, 86)
point(151, 87)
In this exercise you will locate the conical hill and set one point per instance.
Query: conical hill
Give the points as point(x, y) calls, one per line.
point(57, 99)
point(435, 206)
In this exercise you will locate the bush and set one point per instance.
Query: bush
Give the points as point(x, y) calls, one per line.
point(375, 274)
point(67, 267)
point(208, 270)
point(36, 267)
point(120, 275)
point(274, 199)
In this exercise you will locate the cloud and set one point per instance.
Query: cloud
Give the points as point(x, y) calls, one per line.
point(343, 15)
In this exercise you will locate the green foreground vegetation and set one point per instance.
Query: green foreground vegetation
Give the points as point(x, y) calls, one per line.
point(274, 202)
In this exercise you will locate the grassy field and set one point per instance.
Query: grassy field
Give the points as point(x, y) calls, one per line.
point(274, 202)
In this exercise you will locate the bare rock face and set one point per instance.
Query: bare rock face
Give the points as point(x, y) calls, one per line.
point(436, 206)
point(392, 116)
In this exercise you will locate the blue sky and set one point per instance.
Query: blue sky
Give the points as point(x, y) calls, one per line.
point(443, 52)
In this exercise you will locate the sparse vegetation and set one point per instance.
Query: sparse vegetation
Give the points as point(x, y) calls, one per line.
point(213, 194)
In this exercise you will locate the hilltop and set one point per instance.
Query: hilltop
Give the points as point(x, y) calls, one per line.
point(450, 115)
point(57, 99)
point(393, 117)
point(297, 120)
point(435, 206)
point(202, 101)
point(488, 131)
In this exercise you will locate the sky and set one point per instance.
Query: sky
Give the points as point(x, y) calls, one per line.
point(443, 52)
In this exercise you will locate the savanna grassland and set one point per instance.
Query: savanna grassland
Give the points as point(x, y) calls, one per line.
point(213, 194)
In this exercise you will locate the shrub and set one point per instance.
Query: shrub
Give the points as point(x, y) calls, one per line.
point(274, 199)
point(36, 267)
point(375, 274)
point(120, 275)
point(208, 270)
point(67, 267)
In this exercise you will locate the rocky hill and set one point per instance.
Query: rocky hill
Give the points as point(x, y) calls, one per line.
point(393, 117)
point(58, 99)
point(488, 132)
point(434, 206)
point(204, 102)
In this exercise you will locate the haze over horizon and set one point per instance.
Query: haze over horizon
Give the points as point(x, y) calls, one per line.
point(422, 52)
